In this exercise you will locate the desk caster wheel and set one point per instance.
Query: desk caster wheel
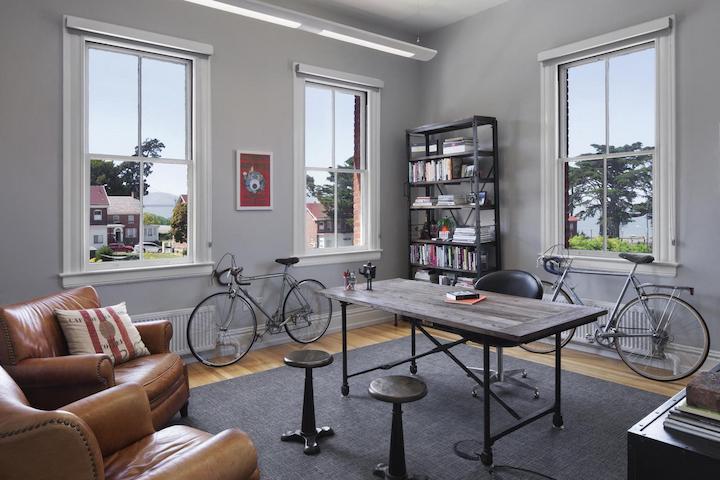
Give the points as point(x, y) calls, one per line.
point(524, 374)
point(536, 395)
point(486, 458)
point(413, 369)
point(345, 390)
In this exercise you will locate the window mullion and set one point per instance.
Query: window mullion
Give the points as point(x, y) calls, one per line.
point(607, 152)
point(141, 189)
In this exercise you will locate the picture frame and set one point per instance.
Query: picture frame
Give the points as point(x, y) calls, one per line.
point(253, 180)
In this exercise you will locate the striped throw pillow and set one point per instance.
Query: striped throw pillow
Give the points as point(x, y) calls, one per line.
point(106, 330)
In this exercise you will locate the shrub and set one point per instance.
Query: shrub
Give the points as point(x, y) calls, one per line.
point(104, 250)
point(581, 242)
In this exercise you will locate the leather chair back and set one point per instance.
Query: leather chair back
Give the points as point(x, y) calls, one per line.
point(511, 282)
point(30, 330)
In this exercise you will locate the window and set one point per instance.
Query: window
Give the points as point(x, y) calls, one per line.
point(608, 162)
point(142, 108)
point(336, 156)
point(98, 239)
point(97, 215)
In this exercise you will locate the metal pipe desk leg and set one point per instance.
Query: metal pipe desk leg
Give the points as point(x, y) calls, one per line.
point(345, 389)
point(486, 456)
point(557, 416)
point(413, 365)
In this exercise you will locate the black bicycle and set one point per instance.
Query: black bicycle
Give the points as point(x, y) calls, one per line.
point(223, 327)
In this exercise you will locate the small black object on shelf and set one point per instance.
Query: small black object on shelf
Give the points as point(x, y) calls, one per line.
point(368, 271)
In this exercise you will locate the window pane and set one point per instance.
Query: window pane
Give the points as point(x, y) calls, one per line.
point(631, 80)
point(629, 204)
point(348, 130)
point(164, 104)
point(584, 205)
point(114, 210)
point(585, 108)
point(318, 127)
point(165, 211)
point(319, 210)
point(349, 209)
point(112, 102)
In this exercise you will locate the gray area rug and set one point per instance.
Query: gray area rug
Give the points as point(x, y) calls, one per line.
point(597, 415)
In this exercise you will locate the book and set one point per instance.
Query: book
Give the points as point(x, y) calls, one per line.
point(702, 412)
point(462, 295)
point(469, 301)
point(691, 429)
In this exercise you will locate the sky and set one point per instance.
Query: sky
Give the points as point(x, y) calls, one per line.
point(113, 111)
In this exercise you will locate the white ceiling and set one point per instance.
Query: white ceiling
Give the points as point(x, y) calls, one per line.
point(409, 16)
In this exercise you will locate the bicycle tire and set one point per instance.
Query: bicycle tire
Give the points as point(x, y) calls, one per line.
point(322, 322)
point(547, 345)
point(627, 349)
point(200, 337)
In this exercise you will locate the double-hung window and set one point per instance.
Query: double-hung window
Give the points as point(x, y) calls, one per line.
point(608, 140)
point(136, 140)
point(336, 152)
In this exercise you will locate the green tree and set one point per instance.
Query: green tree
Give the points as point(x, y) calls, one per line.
point(124, 179)
point(178, 223)
point(325, 194)
point(152, 219)
point(629, 187)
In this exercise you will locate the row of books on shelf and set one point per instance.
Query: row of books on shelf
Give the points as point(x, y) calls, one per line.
point(456, 280)
point(435, 170)
point(696, 421)
point(446, 256)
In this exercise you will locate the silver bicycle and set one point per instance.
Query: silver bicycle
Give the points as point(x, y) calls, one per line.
point(657, 334)
point(223, 327)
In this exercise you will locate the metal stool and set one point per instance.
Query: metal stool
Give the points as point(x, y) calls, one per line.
point(308, 433)
point(397, 389)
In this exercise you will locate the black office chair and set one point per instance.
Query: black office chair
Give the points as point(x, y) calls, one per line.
point(509, 282)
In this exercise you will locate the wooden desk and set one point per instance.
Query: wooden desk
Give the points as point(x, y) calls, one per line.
point(500, 320)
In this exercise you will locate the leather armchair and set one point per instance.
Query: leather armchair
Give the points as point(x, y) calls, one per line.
point(110, 435)
point(34, 352)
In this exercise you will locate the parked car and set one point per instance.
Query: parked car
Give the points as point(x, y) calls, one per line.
point(120, 247)
point(149, 247)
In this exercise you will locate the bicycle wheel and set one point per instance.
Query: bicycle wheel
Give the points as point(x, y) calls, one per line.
point(670, 343)
point(307, 313)
point(221, 329)
point(547, 344)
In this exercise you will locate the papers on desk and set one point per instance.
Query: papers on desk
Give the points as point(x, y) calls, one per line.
point(462, 295)
point(468, 301)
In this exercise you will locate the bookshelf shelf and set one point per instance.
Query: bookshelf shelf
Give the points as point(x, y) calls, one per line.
point(478, 136)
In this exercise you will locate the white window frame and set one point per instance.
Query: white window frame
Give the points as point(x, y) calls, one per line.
point(661, 33)
point(77, 33)
point(97, 214)
point(370, 249)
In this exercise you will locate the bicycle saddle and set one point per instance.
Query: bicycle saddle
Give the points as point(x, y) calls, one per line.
point(287, 261)
point(637, 258)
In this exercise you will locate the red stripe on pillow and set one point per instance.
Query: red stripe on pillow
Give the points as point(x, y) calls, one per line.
point(92, 331)
point(123, 331)
point(111, 341)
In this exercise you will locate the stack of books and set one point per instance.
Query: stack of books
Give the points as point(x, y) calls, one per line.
point(694, 421)
point(464, 235)
point(434, 170)
point(451, 200)
point(465, 282)
point(419, 149)
point(423, 202)
point(457, 145)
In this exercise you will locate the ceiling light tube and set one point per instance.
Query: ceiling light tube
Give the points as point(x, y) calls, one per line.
point(226, 7)
point(366, 43)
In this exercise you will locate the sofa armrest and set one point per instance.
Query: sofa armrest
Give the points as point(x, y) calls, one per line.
point(118, 416)
point(229, 455)
point(156, 335)
point(49, 383)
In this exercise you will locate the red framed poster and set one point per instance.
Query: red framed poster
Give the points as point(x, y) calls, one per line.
point(254, 181)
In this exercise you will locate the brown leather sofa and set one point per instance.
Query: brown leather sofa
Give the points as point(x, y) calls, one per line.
point(34, 352)
point(110, 436)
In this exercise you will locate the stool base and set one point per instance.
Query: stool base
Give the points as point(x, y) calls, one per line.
point(310, 441)
point(381, 470)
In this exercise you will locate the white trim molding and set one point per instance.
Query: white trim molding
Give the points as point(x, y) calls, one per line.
point(76, 269)
point(371, 249)
point(661, 33)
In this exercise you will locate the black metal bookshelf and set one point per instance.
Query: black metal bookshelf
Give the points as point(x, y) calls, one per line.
point(483, 133)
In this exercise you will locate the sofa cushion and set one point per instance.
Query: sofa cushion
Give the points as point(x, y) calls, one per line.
point(156, 373)
point(106, 330)
point(152, 451)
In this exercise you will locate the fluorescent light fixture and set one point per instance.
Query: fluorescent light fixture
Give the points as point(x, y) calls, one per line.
point(226, 7)
point(365, 43)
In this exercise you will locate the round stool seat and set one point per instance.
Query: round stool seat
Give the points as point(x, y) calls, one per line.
point(397, 389)
point(308, 359)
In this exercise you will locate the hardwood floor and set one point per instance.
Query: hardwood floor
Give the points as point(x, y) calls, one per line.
point(613, 370)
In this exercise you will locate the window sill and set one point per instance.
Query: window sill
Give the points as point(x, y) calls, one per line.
point(614, 264)
point(338, 257)
point(138, 274)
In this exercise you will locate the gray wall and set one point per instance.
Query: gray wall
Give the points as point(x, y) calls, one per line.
point(487, 64)
point(252, 109)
